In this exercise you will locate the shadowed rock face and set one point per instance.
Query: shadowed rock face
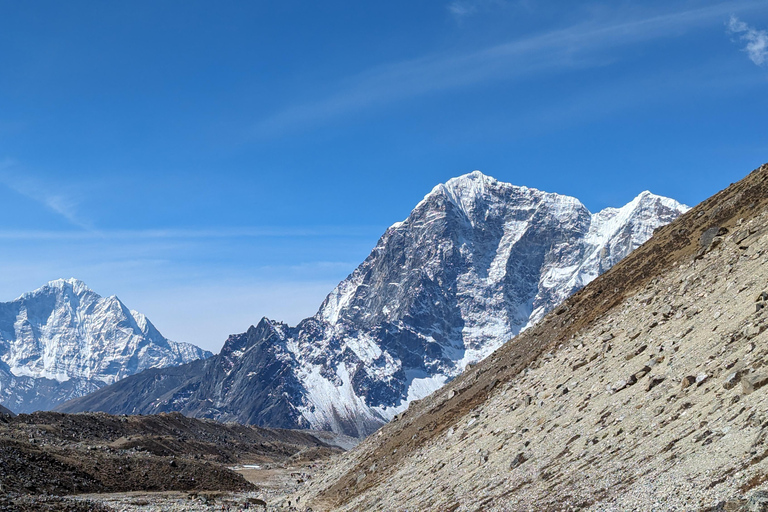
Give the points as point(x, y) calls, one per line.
point(476, 262)
point(63, 341)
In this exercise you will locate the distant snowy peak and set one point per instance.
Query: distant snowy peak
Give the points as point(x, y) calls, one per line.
point(475, 190)
point(72, 286)
point(64, 331)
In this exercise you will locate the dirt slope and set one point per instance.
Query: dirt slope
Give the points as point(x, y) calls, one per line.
point(598, 406)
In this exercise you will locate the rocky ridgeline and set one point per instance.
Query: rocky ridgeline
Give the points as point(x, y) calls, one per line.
point(645, 391)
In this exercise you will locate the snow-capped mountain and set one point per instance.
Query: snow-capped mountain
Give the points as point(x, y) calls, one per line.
point(474, 263)
point(63, 340)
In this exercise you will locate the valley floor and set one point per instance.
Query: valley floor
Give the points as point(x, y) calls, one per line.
point(97, 462)
point(277, 488)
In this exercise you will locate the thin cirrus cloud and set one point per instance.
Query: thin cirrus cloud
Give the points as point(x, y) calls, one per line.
point(63, 204)
point(460, 9)
point(574, 47)
point(756, 40)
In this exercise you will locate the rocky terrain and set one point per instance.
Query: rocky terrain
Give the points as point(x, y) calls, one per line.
point(63, 341)
point(644, 391)
point(47, 456)
point(475, 262)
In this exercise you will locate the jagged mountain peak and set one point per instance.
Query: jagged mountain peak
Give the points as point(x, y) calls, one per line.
point(474, 183)
point(264, 329)
point(648, 198)
point(472, 186)
point(76, 286)
point(645, 200)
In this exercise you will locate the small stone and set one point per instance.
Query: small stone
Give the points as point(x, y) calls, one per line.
point(579, 364)
point(731, 380)
point(687, 381)
point(752, 383)
point(750, 331)
point(519, 459)
point(758, 502)
point(705, 241)
point(654, 381)
point(451, 394)
point(740, 236)
point(645, 370)
point(701, 378)
point(618, 386)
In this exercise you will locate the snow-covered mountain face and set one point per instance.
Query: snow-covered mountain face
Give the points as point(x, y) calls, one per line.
point(474, 263)
point(63, 340)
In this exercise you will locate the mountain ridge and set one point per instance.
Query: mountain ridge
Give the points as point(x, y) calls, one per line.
point(64, 340)
point(476, 262)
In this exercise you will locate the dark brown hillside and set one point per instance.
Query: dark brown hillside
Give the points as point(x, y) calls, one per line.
point(55, 453)
point(376, 459)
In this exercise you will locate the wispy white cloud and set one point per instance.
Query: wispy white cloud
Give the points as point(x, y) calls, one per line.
point(57, 200)
point(560, 50)
point(756, 40)
point(460, 9)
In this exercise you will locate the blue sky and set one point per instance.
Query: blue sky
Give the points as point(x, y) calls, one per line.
point(213, 163)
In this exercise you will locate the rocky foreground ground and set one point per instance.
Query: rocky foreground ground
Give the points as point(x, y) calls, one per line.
point(647, 390)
